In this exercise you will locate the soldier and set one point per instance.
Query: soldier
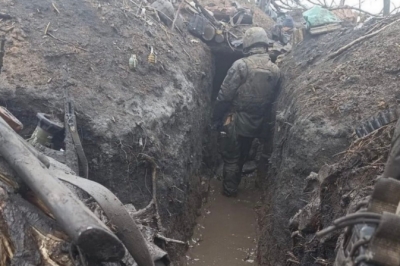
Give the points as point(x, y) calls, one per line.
point(245, 96)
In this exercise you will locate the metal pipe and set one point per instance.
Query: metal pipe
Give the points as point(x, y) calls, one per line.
point(82, 226)
point(126, 228)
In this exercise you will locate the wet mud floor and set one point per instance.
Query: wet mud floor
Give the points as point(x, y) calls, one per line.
point(225, 234)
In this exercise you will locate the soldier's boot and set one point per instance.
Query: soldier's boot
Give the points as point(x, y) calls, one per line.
point(231, 179)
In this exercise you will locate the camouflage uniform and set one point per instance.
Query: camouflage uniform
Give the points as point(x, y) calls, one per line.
point(248, 91)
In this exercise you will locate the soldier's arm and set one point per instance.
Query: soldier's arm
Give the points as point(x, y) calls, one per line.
point(234, 78)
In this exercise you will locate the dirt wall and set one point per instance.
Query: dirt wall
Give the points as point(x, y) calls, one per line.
point(161, 109)
point(321, 102)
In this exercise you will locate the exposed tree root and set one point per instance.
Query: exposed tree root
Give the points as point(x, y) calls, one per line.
point(154, 193)
point(147, 213)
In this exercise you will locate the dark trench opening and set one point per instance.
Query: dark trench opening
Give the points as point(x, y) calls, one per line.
point(222, 62)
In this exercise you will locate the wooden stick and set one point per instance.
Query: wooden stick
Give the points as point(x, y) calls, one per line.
point(55, 8)
point(154, 184)
point(187, 54)
point(170, 240)
point(344, 48)
point(355, 8)
point(139, 8)
point(55, 38)
point(177, 14)
point(46, 29)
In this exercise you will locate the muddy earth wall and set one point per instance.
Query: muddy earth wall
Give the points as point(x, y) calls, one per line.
point(321, 102)
point(161, 109)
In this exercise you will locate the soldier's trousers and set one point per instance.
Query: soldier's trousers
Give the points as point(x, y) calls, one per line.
point(234, 150)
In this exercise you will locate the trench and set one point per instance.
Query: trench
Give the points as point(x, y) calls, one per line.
point(226, 230)
point(223, 231)
point(163, 110)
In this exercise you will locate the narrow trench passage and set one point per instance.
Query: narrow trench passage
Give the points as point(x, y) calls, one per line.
point(225, 234)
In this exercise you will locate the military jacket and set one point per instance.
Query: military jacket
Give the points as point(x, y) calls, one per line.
point(250, 85)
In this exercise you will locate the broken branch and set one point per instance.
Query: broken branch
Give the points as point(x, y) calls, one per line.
point(47, 28)
point(154, 181)
point(187, 54)
point(139, 8)
point(170, 240)
point(55, 8)
point(344, 48)
point(142, 212)
point(293, 261)
point(177, 14)
point(55, 38)
point(354, 8)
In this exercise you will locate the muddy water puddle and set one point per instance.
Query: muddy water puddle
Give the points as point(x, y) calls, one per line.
point(226, 231)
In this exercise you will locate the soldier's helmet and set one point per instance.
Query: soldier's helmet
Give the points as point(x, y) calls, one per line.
point(253, 37)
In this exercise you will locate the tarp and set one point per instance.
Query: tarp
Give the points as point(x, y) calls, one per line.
point(318, 16)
